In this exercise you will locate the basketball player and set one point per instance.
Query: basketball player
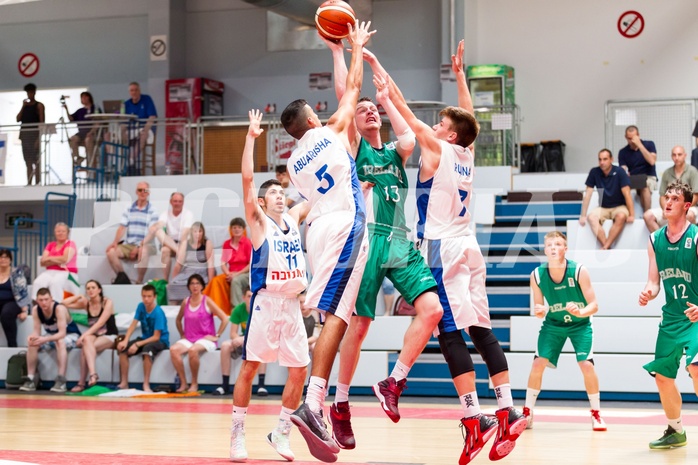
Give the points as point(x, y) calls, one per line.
point(277, 275)
point(390, 252)
point(324, 173)
point(672, 258)
point(444, 185)
point(566, 287)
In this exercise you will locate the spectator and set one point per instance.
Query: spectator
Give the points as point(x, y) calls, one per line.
point(195, 256)
point(292, 195)
point(60, 260)
point(694, 153)
point(639, 158)
point(135, 222)
point(14, 297)
point(87, 132)
point(31, 114)
point(101, 333)
point(143, 107)
point(615, 202)
point(226, 289)
point(61, 334)
point(232, 348)
point(171, 229)
point(687, 174)
point(155, 337)
point(198, 333)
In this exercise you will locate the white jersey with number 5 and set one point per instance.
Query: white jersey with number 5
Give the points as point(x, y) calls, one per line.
point(279, 265)
point(325, 174)
point(443, 202)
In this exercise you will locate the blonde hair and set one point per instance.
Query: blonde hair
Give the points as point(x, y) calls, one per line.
point(555, 235)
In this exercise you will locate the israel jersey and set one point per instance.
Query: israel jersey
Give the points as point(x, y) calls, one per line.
point(443, 201)
point(325, 174)
point(279, 265)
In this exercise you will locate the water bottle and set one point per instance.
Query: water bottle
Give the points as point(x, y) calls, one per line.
point(168, 170)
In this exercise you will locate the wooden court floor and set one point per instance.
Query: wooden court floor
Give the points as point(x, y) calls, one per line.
point(58, 429)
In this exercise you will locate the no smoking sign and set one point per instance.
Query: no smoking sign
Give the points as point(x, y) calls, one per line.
point(28, 65)
point(630, 24)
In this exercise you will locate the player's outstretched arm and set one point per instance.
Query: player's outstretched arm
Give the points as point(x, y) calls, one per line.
point(253, 212)
point(465, 100)
point(340, 83)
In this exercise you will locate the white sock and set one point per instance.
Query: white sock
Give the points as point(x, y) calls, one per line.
point(315, 397)
point(676, 424)
point(531, 397)
point(400, 371)
point(31, 377)
point(503, 393)
point(470, 404)
point(595, 401)
point(239, 413)
point(285, 414)
point(342, 393)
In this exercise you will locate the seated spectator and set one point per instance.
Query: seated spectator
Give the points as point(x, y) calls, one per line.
point(14, 297)
point(292, 195)
point(232, 348)
point(61, 334)
point(226, 289)
point(87, 131)
point(694, 153)
point(171, 229)
point(615, 202)
point(60, 260)
point(135, 222)
point(195, 256)
point(198, 333)
point(142, 106)
point(654, 217)
point(101, 334)
point(155, 337)
point(639, 158)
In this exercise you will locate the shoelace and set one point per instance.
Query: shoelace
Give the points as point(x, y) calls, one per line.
point(597, 416)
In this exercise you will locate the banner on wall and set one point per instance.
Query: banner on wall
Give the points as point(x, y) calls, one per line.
point(3, 156)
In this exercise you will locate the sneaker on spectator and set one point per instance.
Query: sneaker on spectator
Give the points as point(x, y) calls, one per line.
point(528, 414)
point(59, 385)
point(279, 440)
point(597, 423)
point(262, 391)
point(511, 424)
point(340, 416)
point(476, 432)
point(388, 392)
point(314, 431)
point(238, 452)
point(219, 391)
point(670, 439)
point(28, 386)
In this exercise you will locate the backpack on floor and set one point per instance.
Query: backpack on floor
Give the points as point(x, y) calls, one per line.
point(16, 370)
point(121, 278)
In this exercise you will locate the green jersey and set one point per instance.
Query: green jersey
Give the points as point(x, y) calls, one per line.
point(383, 167)
point(559, 294)
point(677, 263)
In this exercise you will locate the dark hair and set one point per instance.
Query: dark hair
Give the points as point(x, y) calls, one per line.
point(281, 169)
point(245, 287)
point(196, 277)
point(89, 96)
point(237, 221)
point(99, 286)
point(6, 253)
point(463, 123)
point(632, 127)
point(365, 99)
point(293, 118)
point(43, 291)
point(149, 288)
point(606, 150)
point(266, 185)
point(31, 87)
point(682, 188)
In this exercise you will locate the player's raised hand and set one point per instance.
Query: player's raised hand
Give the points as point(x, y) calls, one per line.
point(360, 34)
point(457, 58)
point(382, 92)
point(255, 130)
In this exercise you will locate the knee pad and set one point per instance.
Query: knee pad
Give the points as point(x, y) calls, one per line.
point(489, 349)
point(456, 353)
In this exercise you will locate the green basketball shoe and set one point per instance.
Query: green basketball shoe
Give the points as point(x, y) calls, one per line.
point(670, 439)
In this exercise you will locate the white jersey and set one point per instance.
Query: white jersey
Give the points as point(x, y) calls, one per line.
point(325, 174)
point(279, 265)
point(443, 202)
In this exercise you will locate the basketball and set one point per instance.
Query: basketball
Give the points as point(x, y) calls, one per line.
point(331, 19)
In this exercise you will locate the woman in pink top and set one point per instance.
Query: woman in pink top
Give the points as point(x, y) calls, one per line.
point(198, 332)
point(60, 260)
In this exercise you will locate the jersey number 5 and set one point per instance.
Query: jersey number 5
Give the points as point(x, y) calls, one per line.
point(322, 175)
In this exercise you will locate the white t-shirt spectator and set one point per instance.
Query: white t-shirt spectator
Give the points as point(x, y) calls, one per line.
point(175, 224)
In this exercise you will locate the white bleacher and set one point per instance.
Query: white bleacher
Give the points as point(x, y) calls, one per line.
point(634, 235)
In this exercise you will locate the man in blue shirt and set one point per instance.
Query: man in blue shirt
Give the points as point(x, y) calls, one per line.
point(615, 202)
point(694, 153)
point(143, 107)
point(639, 158)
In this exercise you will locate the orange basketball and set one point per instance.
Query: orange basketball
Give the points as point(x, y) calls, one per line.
point(331, 19)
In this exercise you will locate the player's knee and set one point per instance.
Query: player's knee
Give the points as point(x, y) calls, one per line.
point(539, 364)
point(428, 306)
point(693, 370)
point(587, 367)
point(489, 349)
point(456, 353)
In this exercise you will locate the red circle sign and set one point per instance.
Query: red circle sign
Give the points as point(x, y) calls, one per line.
point(28, 65)
point(630, 24)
